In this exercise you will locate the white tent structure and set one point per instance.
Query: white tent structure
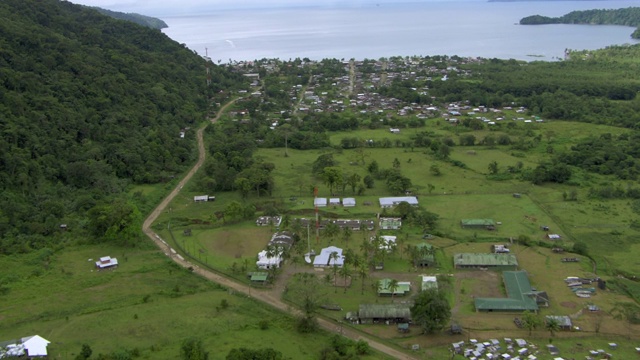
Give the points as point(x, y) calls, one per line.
point(320, 202)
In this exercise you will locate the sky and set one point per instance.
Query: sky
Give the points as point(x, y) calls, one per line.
point(177, 7)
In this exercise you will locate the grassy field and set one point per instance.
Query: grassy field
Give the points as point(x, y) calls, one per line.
point(147, 304)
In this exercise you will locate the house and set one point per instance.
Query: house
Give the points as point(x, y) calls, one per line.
point(384, 313)
point(258, 277)
point(428, 282)
point(500, 249)
point(106, 262)
point(266, 262)
point(389, 202)
point(349, 202)
point(553, 236)
point(488, 224)
point(394, 130)
point(384, 288)
point(334, 201)
point(520, 296)
point(320, 202)
point(31, 346)
point(201, 198)
point(564, 322)
point(485, 260)
point(325, 258)
point(390, 223)
point(269, 220)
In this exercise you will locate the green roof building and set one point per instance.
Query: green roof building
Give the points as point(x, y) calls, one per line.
point(485, 260)
point(520, 296)
point(384, 288)
point(478, 224)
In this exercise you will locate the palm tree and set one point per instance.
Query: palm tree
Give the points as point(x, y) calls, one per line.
point(331, 230)
point(393, 286)
point(345, 272)
point(346, 234)
point(531, 321)
point(552, 326)
point(334, 259)
point(363, 272)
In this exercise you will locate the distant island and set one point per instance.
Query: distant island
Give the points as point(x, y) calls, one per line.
point(627, 17)
point(143, 20)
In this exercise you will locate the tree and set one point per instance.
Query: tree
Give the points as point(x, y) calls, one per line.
point(368, 181)
point(334, 259)
point(286, 130)
point(431, 311)
point(493, 167)
point(254, 354)
point(393, 286)
point(345, 272)
point(346, 234)
point(85, 352)
point(363, 273)
point(552, 325)
point(306, 290)
point(192, 349)
point(331, 176)
point(396, 163)
point(531, 321)
point(332, 230)
point(435, 170)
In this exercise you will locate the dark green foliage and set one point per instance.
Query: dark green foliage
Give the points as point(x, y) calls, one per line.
point(627, 17)
point(85, 352)
point(143, 20)
point(431, 311)
point(192, 349)
point(342, 348)
point(254, 354)
point(88, 105)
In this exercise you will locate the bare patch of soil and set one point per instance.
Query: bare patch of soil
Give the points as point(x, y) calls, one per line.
point(568, 304)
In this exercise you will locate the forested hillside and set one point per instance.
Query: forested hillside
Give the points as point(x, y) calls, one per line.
point(627, 17)
point(147, 21)
point(89, 105)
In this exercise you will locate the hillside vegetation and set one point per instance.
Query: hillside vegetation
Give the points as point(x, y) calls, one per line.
point(89, 105)
point(143, 20)
point(627, 17)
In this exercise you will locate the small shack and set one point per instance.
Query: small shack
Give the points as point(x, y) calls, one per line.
point(564, 322)
point(106, 262)
point(349, 202)
point(201, 198)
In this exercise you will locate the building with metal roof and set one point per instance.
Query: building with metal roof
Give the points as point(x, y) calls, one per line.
point(388, 202)
point(376, 313)
point(428, 282)
point(325, 258)
point(477, 223)
point(390, 223)
point(520, 295)
point(384, 288)
point(485, 260)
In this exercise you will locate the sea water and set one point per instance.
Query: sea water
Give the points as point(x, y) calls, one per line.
point(463, 28)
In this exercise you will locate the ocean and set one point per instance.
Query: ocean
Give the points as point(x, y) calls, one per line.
point(462, 28)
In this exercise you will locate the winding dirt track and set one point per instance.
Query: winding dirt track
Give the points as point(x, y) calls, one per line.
point(268, 298)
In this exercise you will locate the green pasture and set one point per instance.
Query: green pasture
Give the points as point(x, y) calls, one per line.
point(148, 300)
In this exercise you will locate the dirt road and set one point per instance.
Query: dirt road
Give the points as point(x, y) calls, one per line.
point(270, 298)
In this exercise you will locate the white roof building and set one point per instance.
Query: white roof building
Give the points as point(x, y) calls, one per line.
point(200, 198)
point(324, 259)
point(349, 202)
point(266, 262)
point(387, 202)
point(106, 262)
point(320, 202)
point(334, 201)
point(32, 346)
